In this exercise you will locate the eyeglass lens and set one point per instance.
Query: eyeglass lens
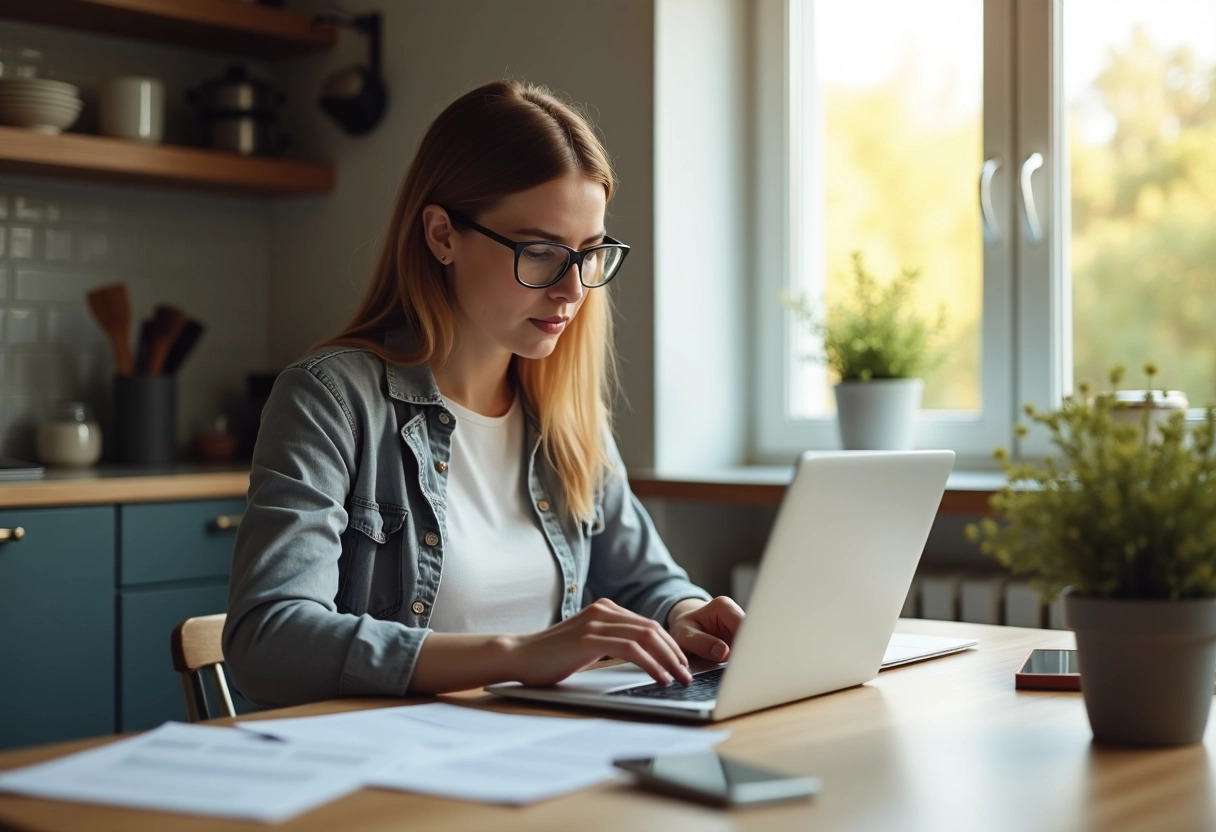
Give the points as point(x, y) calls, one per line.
point(541, 264)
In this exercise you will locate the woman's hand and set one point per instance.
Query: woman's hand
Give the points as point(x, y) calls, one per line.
point(598, 630)
point(705, 628)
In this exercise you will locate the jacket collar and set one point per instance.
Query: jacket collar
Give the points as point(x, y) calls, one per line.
point(415, 383)
point(408, 382)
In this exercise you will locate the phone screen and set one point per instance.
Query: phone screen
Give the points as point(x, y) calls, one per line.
point(718, 779)
point(1051, 661)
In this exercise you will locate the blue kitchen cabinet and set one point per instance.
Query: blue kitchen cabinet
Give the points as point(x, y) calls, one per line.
point(57, 619)
point(174, 560)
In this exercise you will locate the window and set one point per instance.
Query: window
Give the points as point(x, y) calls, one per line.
point(1054, 196)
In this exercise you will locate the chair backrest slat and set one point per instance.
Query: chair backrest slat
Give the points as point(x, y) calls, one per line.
point(197, 647)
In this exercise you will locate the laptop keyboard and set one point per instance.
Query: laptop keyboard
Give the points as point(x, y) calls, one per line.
point(703, 688)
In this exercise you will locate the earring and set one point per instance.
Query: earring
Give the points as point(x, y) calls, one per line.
point(444, 259)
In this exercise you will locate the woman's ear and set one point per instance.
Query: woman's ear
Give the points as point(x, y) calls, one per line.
point(440, 235)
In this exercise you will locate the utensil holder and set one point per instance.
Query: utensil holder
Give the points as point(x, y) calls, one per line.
point(145, 420)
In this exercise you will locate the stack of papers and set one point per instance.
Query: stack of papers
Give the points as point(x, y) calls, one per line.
point(270, 770)
point(200, 770)
point(491, 757)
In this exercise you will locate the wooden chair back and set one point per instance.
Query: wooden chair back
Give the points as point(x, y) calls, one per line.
point(198, 657)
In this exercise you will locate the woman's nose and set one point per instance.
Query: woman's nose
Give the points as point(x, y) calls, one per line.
point(569, 287)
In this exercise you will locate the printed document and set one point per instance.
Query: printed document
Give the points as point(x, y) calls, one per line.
point(201, 770)
point(474, 754)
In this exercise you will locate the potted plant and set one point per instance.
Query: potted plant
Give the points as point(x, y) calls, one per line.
point(1124, 522)
point(878, 348)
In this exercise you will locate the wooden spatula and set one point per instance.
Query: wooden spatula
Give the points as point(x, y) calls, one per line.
point(111, 308)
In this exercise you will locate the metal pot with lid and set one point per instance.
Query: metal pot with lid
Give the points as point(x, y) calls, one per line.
point(236, 93)
point(237, 113)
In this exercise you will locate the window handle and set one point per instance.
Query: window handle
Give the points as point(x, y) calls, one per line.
point(1034, 229)
point(992, 232)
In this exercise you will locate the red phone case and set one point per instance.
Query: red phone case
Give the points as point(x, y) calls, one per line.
point(1045, 681)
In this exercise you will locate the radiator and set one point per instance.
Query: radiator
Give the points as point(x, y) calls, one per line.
point(955, 595)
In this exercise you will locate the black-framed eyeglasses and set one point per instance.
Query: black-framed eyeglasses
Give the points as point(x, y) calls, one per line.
point(541, 263)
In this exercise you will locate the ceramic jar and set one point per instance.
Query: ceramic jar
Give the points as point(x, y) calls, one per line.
point(1130, 407)
point(70, 438)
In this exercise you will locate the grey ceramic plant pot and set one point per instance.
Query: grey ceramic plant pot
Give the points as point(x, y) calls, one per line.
point(1147, 667)
point(878, 415)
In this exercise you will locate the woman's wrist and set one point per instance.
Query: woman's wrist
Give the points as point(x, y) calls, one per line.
point(450, 662)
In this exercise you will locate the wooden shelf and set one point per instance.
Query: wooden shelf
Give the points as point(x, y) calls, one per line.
point(228, 26)
point(83, 156)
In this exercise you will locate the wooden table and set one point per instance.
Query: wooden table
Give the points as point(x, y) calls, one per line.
point(947, 744)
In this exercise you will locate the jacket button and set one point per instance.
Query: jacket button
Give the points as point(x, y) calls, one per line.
point(573, 588)
point(441, 466)
point(418, 607)
point(445, 418)
point(543, 505)
point(431, 539)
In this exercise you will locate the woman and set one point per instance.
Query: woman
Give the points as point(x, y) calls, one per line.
point(436, 500)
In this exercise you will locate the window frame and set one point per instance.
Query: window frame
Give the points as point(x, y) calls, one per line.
point(1024, 349)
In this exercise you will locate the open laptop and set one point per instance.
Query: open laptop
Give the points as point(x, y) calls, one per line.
point(828, 592)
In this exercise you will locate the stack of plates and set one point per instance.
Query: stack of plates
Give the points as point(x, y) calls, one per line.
point(39, 104)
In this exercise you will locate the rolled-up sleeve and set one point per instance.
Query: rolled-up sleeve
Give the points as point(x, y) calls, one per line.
point(629, 562)
point(284, 640)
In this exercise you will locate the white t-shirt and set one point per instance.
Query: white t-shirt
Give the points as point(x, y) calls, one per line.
point(499, 575)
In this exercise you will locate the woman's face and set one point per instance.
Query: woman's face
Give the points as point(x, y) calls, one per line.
point(493, 310)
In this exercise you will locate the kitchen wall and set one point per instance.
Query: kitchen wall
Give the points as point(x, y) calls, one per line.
point(208, 254)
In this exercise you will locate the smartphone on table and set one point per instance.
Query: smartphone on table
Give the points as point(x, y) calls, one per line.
point(710, 778)
point(1049, 670)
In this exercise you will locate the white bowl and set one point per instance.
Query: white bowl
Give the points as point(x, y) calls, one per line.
point(53, 119)
point(38, 84)
point(40, 100)
point(39, 106)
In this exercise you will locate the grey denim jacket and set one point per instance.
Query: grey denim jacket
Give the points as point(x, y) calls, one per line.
point(340, 552)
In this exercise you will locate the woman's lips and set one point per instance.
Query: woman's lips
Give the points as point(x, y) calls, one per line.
point(550, 326)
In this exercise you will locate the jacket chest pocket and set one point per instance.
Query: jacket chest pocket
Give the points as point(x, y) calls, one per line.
point(370, 571)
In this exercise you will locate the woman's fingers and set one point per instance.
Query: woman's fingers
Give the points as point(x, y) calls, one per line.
point(653, 643)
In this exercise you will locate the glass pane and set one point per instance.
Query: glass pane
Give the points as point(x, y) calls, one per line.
point(891, 153)
point(1140, 88)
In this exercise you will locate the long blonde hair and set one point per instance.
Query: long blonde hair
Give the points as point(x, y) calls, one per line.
point(495, 141)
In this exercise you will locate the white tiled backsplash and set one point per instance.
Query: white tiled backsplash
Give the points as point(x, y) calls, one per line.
point(59, 239)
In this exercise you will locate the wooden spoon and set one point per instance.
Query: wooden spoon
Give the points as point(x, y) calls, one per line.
point(111, 308)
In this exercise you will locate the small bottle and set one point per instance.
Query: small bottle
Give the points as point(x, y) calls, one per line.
point(70, 438)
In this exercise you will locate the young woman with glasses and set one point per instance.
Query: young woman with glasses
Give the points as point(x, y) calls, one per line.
point(436, 501)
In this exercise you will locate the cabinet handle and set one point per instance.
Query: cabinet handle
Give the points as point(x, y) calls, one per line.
point(228, 521)
point(12, 534)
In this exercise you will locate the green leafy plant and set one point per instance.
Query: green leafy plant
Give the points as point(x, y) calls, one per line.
point(874, 334)
point(1125, 512)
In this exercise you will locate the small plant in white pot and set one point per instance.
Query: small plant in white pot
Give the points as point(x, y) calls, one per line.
point(879, 349)
point(1124, 523)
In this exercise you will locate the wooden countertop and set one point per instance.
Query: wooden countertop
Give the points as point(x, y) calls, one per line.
point(116, 484)
point(966, 493)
